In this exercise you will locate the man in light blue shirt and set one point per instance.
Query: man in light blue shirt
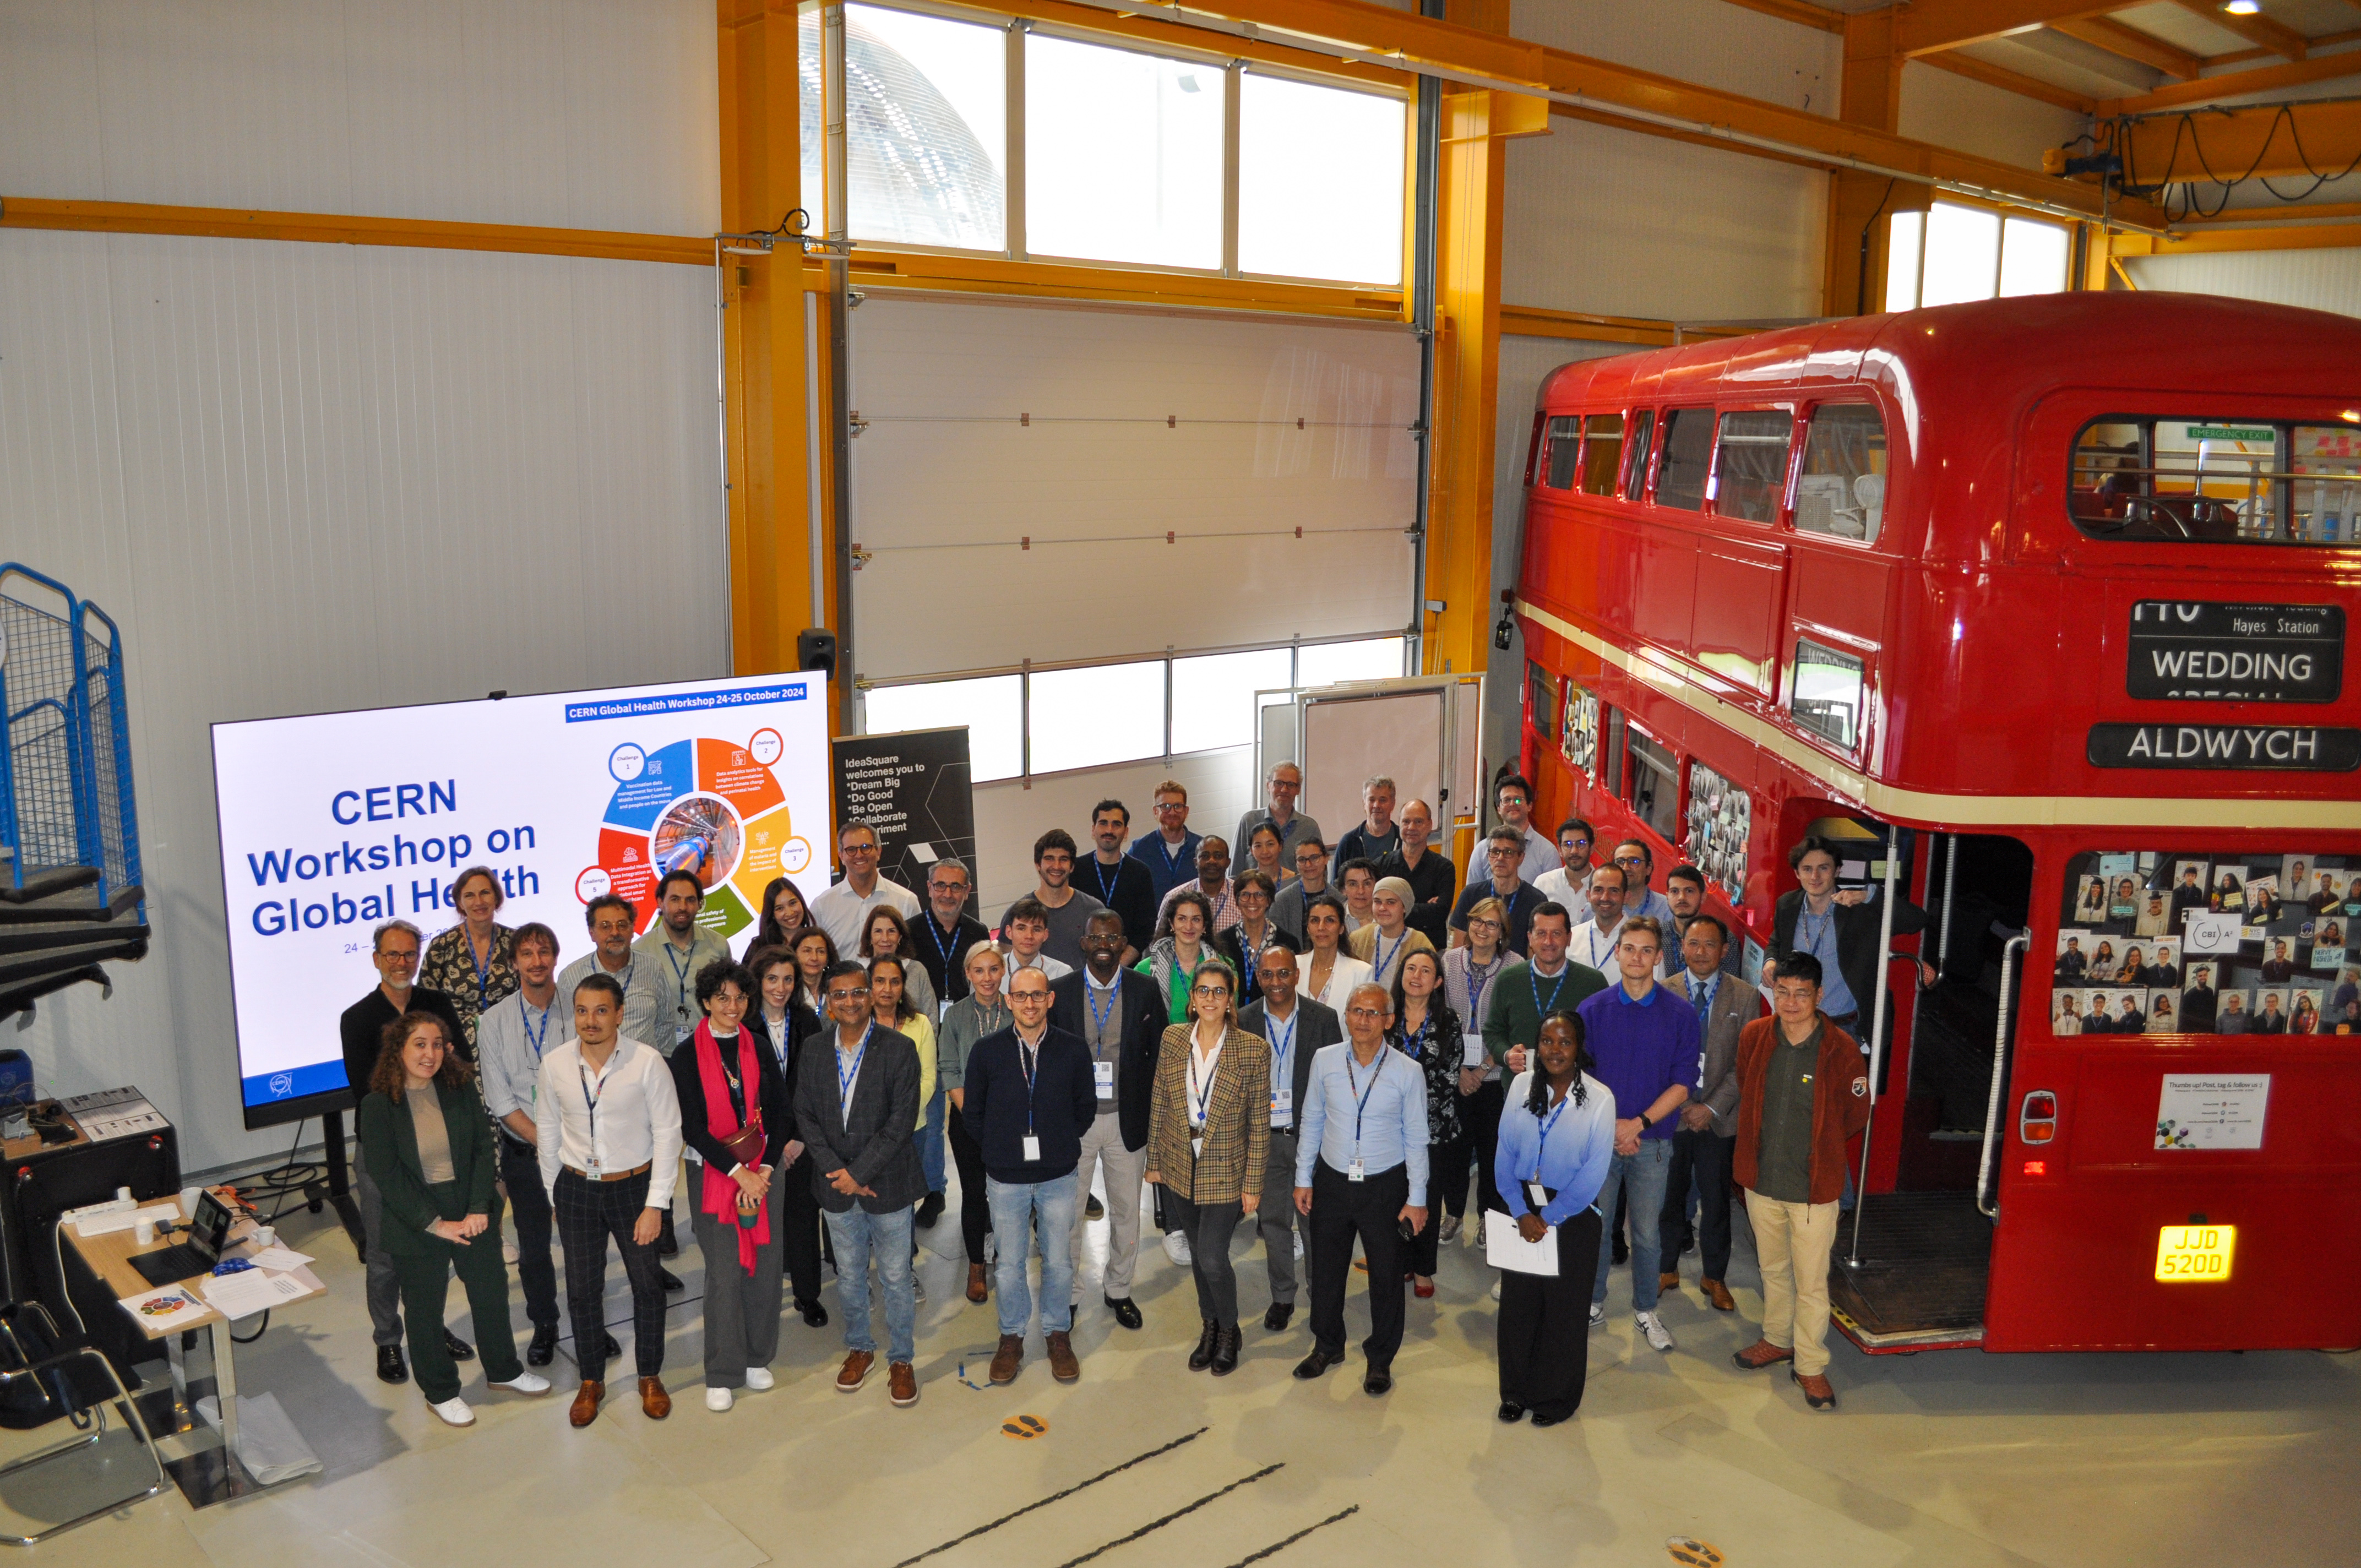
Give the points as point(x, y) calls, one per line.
point(511, 1036)
point(1360, 1171)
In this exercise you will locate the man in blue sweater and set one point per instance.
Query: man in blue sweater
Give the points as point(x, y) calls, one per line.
point(1029, 1095)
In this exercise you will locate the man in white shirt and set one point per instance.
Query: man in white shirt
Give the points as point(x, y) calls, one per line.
point(1563, 883)
point(1594, 941)
point(1515, 800)
point(1026, 928)
point(607, 1125)
point(843, 908)
point(611, 919)
point(511, 1036)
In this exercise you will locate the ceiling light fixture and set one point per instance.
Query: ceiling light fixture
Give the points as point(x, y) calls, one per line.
point(2243, 8)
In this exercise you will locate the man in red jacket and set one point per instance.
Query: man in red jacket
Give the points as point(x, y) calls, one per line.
point(1803, 1091)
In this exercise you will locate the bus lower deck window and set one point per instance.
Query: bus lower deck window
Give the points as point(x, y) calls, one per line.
point(1841, 491)
point(1652, 789)
point(1827, 692)
point(2217, 479)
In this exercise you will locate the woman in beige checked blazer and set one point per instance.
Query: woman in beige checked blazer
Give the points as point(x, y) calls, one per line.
point(1208, 1130)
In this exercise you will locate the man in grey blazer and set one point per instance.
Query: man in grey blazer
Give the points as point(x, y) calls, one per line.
point(1297, 1029)
point(857, 1107)
point(1708, 1130)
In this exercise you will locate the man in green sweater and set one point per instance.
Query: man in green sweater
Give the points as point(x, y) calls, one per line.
point(1528, 993)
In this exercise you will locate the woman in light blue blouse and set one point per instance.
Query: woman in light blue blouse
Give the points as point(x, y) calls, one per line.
point(1557, 1135)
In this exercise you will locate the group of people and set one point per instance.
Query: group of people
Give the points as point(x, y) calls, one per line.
point(1327, 1045)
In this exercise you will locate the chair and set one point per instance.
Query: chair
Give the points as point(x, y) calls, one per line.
point(45, 1375)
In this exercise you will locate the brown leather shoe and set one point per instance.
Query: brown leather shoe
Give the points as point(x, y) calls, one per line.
point(901, 1382)
point(1063, 1365)
point(1762, 1353)
point(1719, 1294)
point(1819, 1392)
point(855, 1372)
point(977, 1289)
point(1668, 1284)
point(586, 1403)
point(654, 1403)
point(1007, 1358)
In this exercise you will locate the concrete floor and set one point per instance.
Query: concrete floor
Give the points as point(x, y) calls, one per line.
point(1950, 1457)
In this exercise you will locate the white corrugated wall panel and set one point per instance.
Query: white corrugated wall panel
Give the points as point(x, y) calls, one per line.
point(538, 112)
point(1629, 225)
point(1710, 42)
point(947, 483)
point(2315, 280)
point(1991, 122)
point(309, 478)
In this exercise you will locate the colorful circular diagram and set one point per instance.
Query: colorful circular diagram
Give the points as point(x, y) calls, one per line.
point(709, 805)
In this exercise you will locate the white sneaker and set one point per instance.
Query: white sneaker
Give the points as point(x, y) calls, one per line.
point(1495, 1294)
point(759, 1379)
point(1450, 1231)
point(508, 1249)
point(455, 1413)
point(918, 1286)
point(1597, 1313)
point(1658, 1337)
point(718, 1400)
point(1176, 1247)
point(524, 1382)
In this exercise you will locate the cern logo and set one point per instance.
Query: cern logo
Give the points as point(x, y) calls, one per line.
point(282, 1084)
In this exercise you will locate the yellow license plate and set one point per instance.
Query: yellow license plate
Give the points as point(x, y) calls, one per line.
point(2194, 1254)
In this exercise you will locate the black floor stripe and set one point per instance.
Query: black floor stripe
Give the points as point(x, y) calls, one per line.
point(1276, 1547)
point(1054, 1496)
point(1179, 1513)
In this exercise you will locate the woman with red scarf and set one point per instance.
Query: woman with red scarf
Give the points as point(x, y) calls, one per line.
point(734, 1118)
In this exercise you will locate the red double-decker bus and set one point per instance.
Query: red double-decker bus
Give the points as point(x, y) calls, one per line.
point(2037, 609)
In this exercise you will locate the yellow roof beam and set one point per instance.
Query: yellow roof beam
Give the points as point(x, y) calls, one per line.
point(2231, 141)
point(2262, 79)
point(2130, 43)
point(1926, 26)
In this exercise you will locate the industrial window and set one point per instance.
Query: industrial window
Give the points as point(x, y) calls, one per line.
point(2216, 480)
point(1688, 459)
point(1213, 695)
point(1541, 699)
point(1828, 691)
point(1842, 488)
point(1751, 475)
point(993, 708)
point(1100, 714)
point(1652, 786)
point(1123, 155)
point(1335, 664)
point(1602, 452)
point(1562, 451)
point(1635, 473)
point(1320, 180)
point(1951, 254)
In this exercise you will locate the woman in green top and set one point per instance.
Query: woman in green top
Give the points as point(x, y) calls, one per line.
point(983, 1010)
point(1179, 947)
point(428, 1141)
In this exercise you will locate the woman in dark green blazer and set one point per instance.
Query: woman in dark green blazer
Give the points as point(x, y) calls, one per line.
point(428, 1141)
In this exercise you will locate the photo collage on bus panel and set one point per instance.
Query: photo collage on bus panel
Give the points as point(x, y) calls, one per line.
point(2248, 944)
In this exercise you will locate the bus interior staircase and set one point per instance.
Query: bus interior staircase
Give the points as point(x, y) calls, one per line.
point(71, 899)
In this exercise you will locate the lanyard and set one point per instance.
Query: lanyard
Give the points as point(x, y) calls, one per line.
point(1539, 1007)
point(1199, 1103)
point(680, 976)
point(1547, 1123)
point(1475, 992)
point(1378, 945)
point(1414, 1046)
point(1028, 1058)
point(935, 934)
point(1108, 881)
point(1099, 1021)
point(591, 1100)
point(483, 966)
point(1287, 1046)
point(1811, 933)
point(532, 1037)
point(845, 1080)
point(1361, 1095)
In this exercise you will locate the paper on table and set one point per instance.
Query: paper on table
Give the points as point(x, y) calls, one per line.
point(249, 1291)
point(154, 1310)
point(280, 1258)
point(1505, 1248)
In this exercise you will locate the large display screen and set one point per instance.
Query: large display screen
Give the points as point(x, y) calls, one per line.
point(333, 823)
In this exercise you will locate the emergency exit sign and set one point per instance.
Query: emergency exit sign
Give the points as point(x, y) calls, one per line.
point(2261, 432)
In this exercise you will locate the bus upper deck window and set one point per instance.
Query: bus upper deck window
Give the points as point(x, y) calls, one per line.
point(1635, 473)
point(1752, 472)
point(1842, 491)
point(1687, 460)
point(1603, 452)
point(1562, 451)
point(2215, 480)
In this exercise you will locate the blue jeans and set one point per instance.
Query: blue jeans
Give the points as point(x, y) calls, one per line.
point(930, 1142)
point(1641, 1177)
point(1014, 1206)
point(857, 1233)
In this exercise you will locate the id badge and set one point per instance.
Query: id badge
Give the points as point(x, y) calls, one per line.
point(1354, 1172)
point(1196, 1148)
point(1032, 1149)
point(1282, 1105)
point(1472, 1052)
point(1533, 1196)
point(1102, 1073)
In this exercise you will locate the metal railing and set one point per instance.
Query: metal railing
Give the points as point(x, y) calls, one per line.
point(66, 797)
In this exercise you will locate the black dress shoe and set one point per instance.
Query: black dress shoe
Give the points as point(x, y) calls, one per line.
point(1315, 1365)
point(671, 1282)
point(1276, 1319)
point(460, 1349)
point(667, 1244)
point(1127, 1311)
point(1542, 1420)
point(1094, 1209)
point(815, 1315)
point(1203, 1356)
point(543, 1348)
point(1378, 1380)
point(390, 1367)
point(1225, 1350)
point(930, 1209)
point(1512, 1412)
point(614, 1350)
point(1622, 1252)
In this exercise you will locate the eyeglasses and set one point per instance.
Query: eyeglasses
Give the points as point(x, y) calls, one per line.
point(1795, 994)
point(1164, 806)
point(857, 848)
point(1365, 1012)
point(1210, 991)
point(1028, 996)
point(853, 996)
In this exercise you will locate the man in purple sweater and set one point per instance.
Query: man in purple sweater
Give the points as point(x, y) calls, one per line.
point(1645, 1042)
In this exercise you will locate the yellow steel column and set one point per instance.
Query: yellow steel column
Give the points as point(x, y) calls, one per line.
point(1853, 282)
point(763, 339)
